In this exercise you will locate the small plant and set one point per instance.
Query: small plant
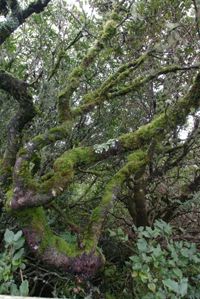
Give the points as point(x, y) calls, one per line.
point(163, 268)
point(118, 234)
point(11, 261)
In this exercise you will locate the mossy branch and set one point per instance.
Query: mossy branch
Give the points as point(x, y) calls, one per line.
point(38, 234)
point(55, 251)
point(62, 53)
point(166, 121)
point(66, 165)
point(19, 90)
point(98, 96)
point(136, 162)
point(102, 94)
point(73, 80)
point(140, 81)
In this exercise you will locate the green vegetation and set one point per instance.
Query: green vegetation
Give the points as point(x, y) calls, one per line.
point(164, 268)
point(11, 264)
point(99, 148)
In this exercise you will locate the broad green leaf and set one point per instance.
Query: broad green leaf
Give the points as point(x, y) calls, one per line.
point(18, 235)
point(18, 254)
point(152, 287)
point(171, 285)
point(9, 236)
point(14, 290)
point(24, 288)
point(183, 287)
point(19, 243)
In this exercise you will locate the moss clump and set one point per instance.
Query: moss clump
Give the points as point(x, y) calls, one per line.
point(77, 72)
point(40, 236)
point(34, 220)
point(80, 155)
point(115, 16)
point(109, 30)
point(38, 140)
point(25, 176)
point(22, 151)
point(63, 129)
point(89, 244)
point(96, 214)
point(9, 197)
point(64, 168)
point(5, 168)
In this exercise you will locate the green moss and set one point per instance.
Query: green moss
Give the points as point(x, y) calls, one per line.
point(22, 151)
point(89, 244)
point(144, 134)
point(101, 94)
point(26, 176)
point(166, 121)
point(35, 219)
point(90, 97)
point(74, 83)
point(50, 240)
point(115, 16)
point(96, 214)
point(137, 156)
point(47, 176)
point(79, 155)
point(77, 72)
point(9, 197)
point(136, 161)
point(62, 94)
point(64, 168)
point(5, 168)
point(39, 139)
point(109, 29)
point(9, 194)
point(63, 129)
point(64, 97)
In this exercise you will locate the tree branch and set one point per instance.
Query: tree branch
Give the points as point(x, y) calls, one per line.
point(73, 81)
point(102, 94)
point(18, 17)
point(40, 238)
point(29, 193)
point(19, 90)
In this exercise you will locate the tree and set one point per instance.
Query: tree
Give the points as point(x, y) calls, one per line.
point(100, 105)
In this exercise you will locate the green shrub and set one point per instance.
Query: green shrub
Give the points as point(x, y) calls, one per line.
point(11, 262)
point(163, 268)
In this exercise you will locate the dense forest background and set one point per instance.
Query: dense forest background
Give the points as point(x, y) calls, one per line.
point(99, 149)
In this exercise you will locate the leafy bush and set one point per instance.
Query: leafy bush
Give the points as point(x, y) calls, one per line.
point(11, 261)
point(163, 268)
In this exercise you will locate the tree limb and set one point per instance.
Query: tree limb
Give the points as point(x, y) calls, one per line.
point(40, 238)
point(19, 16)
point(19, 90)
